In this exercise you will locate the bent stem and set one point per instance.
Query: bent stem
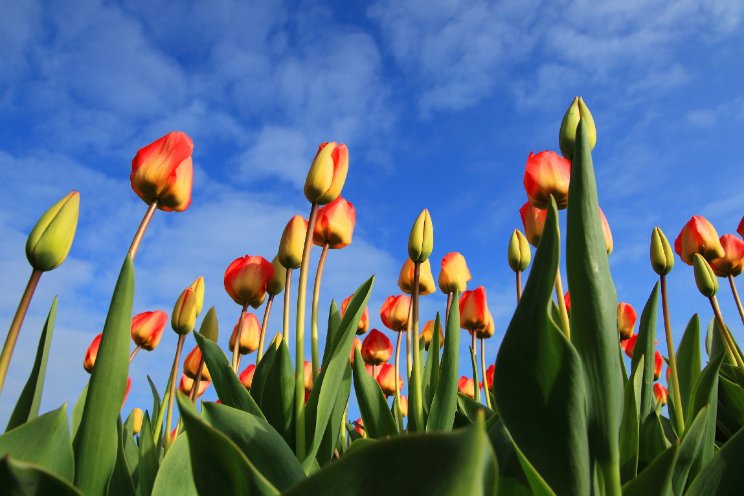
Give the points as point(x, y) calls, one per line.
point(264, 323)
point(172, 390)
point(474, 361)
point(236, 346)
point(285, 322)
point(736, 297)
point(672, 358)
point(562, 305)
point(725, 333)
point(134, 353)
point(396, 401)
point(314, 314)
point(134, 247)
point(15, 326)
point(483, 371)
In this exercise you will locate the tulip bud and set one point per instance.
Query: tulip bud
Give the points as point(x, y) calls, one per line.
point(246, 376)
point(209, 328)
point(327, 173)
point(533, 220)
point(661, 394)
point(335, 224)
point(474, 313)
point(164, 172)
point(187, 384)
point(519, 252)
point(626, 319)
point(606, 231)
point(92, 353)
point(198, 287)
point(278, 279)
point(356, 345)
point(363, 322)
point(394, 312)
point(137, 420)
point(249, 336)
point(705, 278)
point(428, 334)
point(546, 174)
point(403, 405)
point(698, 236)
point(466, 386)
point(308, 376)
point(183, 318)
point(577, 111)
point(662, 258)
point(51, 238)
point(490, 371)
point(376, 348)
point(426, 278)
point(293, 242)
point(421, 239)
point(247, 278)
point(658, 363)
point(454, 274)
point(732, 262)
point(386, 379)
point(191, 365)
point(147, 329)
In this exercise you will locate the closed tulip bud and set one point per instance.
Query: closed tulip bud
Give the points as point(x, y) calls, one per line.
point(363, 322)
point(658, 363)
point(356, 345)
point(533, 220)
point(661, 394)
point(626, 319)
point(191, 365)
point(546, 174)
point(577, 111)
point(403, 406)
point(147, 329)
point(427, 334)
point(92, 353)
point(187, 384)
point(519, 252)
point(209, 327)
point(198, 287)
point(394, 312)
point(376, 348)
point(426, 278)
point(386, 379)
point(335, 224)
point(293, 242)
point(164, 172)
point(740, 229)
point(327, 173)
point(308, 376)
point(137, 420)
point(246, 376)
point(421, 239)
point(490, 371)
point(662, 257)
point(474, 313)
point(466, 386)
point(249, 335)
point(278, 279)
point(732, 262)
point(51, 238)
point(247, 278)
point(183, 318)
point(606, 231)
point(698, 236)
point(454, 274)
point(705, 278)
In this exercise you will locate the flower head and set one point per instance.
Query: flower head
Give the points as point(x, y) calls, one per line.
point(91, 353)
point(698, 236)
point(50, 240)
point(363, 322)
point(533, 220)
point(732, 262)
point(335, 224)
point(327, 173)
point(250, 334)
point(376, 348)
point(426, 278)
point(626, 319)
point(454, 274)
point(246, 376)
point(247, 278)
point(394, 312)
point(546, 174)
point(147, 329)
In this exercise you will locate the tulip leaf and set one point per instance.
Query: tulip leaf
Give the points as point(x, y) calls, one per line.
point(705, 392)
point(512, 479)
point(539, 388)
point(28, 403)
point(259, 442)
point(229, 388)
point(43, 441)
point(629, 425)
point(689, 449)
point(334, 322)
point(120, 483)
point(651, 440)
point(95, 443)
point(444, 402)
point(262, 372)
point(26, 479)
point(656, 478)
point(594, 312)
point(333, 429)
point(131, 451)
point(431, 368)
point(470, 408)
point(378, 421)
point(147, 468)
point(730, 408)
point(723, 475)
point(688, 360)
point(644, 347)
point(278, 405)
point(156, 401)
point(174, 476)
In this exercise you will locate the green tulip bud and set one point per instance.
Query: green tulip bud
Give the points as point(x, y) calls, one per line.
point(198, 287)
point(209, 328)
point(662, 256)
point(276, 284)
point(183, 318)
point(421, 239)
point(705, 278)
point(519, 251)
point(578, 111)
point(51, 238)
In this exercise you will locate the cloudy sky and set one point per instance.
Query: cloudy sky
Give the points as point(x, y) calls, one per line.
point(440, 102)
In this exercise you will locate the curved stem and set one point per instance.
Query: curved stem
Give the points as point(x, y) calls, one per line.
point(474, 359)
point(728, 340)
point(236, 346)
point(15, 326)
point(519, 285)
point(409, 358)
point(483, 371)
point(736, 297)
point(134, 353)
point(264, 324)
point(672, 358)
point(172, 390)
point(562, 305)
point(285, 322)
point(197, 381)
point(134, 247)
point(314, 313)
point(396, 401)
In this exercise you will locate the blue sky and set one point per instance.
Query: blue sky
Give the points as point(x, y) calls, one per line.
point(440, 102)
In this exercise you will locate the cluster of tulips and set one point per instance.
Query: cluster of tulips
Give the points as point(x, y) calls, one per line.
point(557, 413)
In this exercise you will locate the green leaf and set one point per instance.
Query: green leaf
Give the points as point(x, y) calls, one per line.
point(629, 425)
point(259, 442)
point(28, 403)
point(705, 393)
point(96, 440)
point(156, 401)
point(333, 429)
point(730, 408)
point(431, 368)
point(471, 408)
point(229, 388)
point(174, 476)
point(537, 483)
point(656, 478)
point(689, 450)
point(444, 403)
point(25, 479)
point(43, 441)
point(512, 479)
point(278, 403)
point(723, 475)
point(131, 451)
point(262, 372)
point(688, 360)
point(651, 440)
point(147, 468)
point(539, 386)
point(378, 421)
point(334, 323)
point(645, 348)
point(77, 411)
point(594, 313)
point(120, 483)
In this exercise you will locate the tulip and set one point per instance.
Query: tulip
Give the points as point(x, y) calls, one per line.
point(428, 334)
point(335, 224)
point(191, 365)
point(485, 332)
point(394, 312)
point(662, 258)
point(363, 322)
point(705, 278)
point(51, 238)
point(740, 229)
point(519, 253)
point(567, 300)
point(187, 384)
point(209, 328)
point(137, 420)
point(658, 363)
point(356, 345)
point(454, 274)
point(173, 434)
point(533, 220)
point(606, 231)
point(327, 173)
point(386, 380)
point(421, 239)
point(426, 278)
point(626, 319)
point(660, 393)
point(198, 287)
point(126, 391)
point(308, 375)
point(147, 329)
point(628, 345)
point(359, 427)
point(403, 405)
point(376, 348)
point(247, 278)
point(163, 172)
point(92, 353)
point(732, 262)
point(183, 318)
point(246, 376)
point(292, 242)
point(474, 313)
point(546, 174)
point(250, 333)
point(489, 376)
point(577, 112)
point(466, 386)
point(278, 278)
point(698, 236)
point(372, 370)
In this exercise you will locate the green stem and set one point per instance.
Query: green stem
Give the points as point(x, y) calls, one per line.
point(736, 297)
point(416, 407)
point(519, 285)
point(728, 340)
point(134, 247)
point(172, 390)
point(562, 305)
point(474, 361)
point(396, 400)
point(197, 382)
point(483, 371)
point(610, 473)
point(264, 326)
point(450, 297)
point(314, 314)
point(672, 358)
point(285, 322)
point(236, 346)
point(409, 357)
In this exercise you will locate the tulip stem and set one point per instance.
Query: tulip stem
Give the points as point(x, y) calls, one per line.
point(299, 399)
point(474, 360)
point(736, 297)
point(194, 394)
point(409, 358)
point(264, 324)
point(141, 229)
point(15, 326)
point(414, 385)
point(172, 390)
point(134, 353)
point(396, 379)
point(314, 314)
point(285, 323)
point(483, 371)
point(236, 346)
point(450, 297)
point(728, 340)
point(562, 305)
point(519, 285)
point(672, 358)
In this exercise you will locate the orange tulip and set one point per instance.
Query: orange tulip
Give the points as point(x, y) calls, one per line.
point(698, 236)
point(247, 278)
point(394, 312)
point(533, 220)
point(658, 363)
point(474, 313)
point(246, 376)
point(126, 391)
point(356, 345)
point(249, 336)
point(740, 229)
point(187, 384)
point(191, 365)
point(567, 300)
point(485, 332)
point(609, 245)
point(454, 274)
point(628, 345)
point(661, 393)
point(147, 329)
point(626, 319)
point(547, 173)
point(732, 262)
point(359, 427)
point(386, 379)
point(308, 372)
point(92, 353)
point(376, 348)
point(372, 371)
point(466, 386)
point(163, 172)
point(490, 371)
point(426, 278)
point(427, 334)
point(403, 405)
point(327, 174)
point(335, 224)
point(363, 322)
point(292, 243)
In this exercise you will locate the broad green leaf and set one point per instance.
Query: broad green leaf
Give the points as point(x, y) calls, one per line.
point(539, 386)
point(28, 403)
point(95, 444)
point(77, 411)
point(444, 402)
point(705, 393)
point(471, 408)
point(537, 483)
point(689, 450)
point(645, 348)
point(723, 475)
point(651, 440)
point(656, 478)
point(278, 402)
point(730, 408)
point(131, 451)
point(688, 360)
point(431, 368)
point(512, 479)
point(149, 459)
point(594, 313)
point(25, 479)
point(174, 476)
point(378, 421)
point(333, 429)
point(43, 441)
point(120, 483)
point(156, 401)
point(334, 323)
point(262, 372)
point(629, 427)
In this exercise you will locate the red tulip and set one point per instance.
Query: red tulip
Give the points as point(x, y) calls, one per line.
point(428, 334)
point(740, 229)
point(606, 231)
point(547, 173)
point(163, 172)
point(394, 312)
point(147, 329)
point(489, 376)
point(335, 224)
point(363, 322)
point(567, 300)
point(187, 384)
point(376, 348)
point(246, 376)
point(454, 274)
point(356, 345)
point(474, 313)
point(386, 379)
point(247, 278)
point(658, 363)
point(373, 371)
point(732, 262)
point(359, 427)
point(628, 345)
point(661, 393)
point(698, 236)
point(626, 319)
point(126, 391)
point(249, 336)
point(92, 353)
point(191, 365)
point(466, 386)
point(533, 220)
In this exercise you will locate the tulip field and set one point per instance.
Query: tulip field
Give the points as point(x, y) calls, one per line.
point(559, 412)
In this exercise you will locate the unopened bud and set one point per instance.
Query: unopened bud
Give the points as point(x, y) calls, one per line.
point(578, 111)
point(198, 287)
point(136, 420)
point(279, 279)
point(183, 318)
point(662, 256)
point(705, 278)
point(51, 238)
point(421, 239)
point(519, 251)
